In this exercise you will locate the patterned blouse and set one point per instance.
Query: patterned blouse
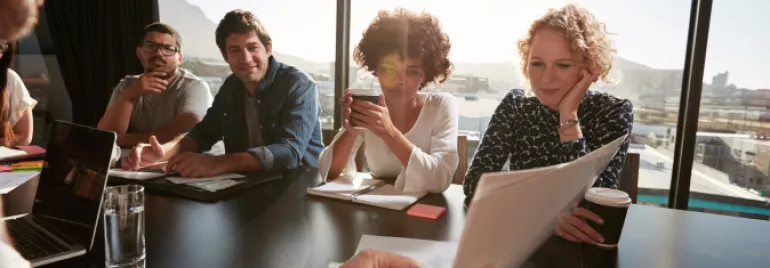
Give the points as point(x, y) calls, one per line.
point(524, 133)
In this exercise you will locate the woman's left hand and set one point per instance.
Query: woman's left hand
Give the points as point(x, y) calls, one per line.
point(373, 117)
point(569, 104)
point(573, 226)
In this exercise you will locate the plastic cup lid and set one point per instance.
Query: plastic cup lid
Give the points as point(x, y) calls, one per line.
point(608, 197)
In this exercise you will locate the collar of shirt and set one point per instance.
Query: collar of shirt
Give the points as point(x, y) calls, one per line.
point(272, 70)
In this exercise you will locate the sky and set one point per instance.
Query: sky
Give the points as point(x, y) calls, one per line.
point(649, 32)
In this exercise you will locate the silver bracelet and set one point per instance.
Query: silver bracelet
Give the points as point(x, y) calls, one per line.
point(568, 122)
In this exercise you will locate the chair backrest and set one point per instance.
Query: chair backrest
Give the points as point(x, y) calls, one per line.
point(462, 165)
point(628, 179)
point(328, 137)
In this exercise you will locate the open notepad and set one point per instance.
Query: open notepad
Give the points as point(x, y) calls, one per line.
point(366, 190)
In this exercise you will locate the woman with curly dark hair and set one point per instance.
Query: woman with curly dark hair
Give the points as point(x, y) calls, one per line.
point(409, 136)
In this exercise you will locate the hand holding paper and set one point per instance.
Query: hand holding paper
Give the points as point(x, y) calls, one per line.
point(529, 200)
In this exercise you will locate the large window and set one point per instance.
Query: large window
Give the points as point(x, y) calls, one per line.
point(732, 156)
point(651, 47)
point(305, 40)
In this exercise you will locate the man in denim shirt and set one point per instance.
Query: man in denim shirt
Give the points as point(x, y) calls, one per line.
point(266, 112)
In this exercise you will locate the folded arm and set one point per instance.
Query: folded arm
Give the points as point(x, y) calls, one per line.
point(22, 131)
point(432, 170)
point(292, 135)
point(618, 122)
point(494, 149)
point(118, 114)
point(339, 157)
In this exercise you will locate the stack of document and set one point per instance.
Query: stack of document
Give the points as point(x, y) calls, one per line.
point(511, 215)
point(212, 184)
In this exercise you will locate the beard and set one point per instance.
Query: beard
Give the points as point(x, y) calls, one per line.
point(17, 18)
point(163, 68)
point(166, 75)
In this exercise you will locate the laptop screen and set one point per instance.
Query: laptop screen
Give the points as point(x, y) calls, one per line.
point(74, 176)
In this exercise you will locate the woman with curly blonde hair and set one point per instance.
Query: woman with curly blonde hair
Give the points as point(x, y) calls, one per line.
point(409, 135)
point(563, 53)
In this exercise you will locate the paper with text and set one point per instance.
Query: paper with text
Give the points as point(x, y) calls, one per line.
point(513, 213)
point(428, 253)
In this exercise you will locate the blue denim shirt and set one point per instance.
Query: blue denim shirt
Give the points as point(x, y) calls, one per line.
point(289, 111)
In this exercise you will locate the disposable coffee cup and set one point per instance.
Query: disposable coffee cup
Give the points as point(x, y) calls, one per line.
point(599, 257)
point(612, 205)
point(365, 94)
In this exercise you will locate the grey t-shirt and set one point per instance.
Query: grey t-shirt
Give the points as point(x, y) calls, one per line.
point(252, 122)
point(187, 93)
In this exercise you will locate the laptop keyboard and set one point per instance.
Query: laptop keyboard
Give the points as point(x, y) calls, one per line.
point(31, 242)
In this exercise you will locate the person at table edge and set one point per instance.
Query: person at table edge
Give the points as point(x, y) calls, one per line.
point(16, 126)
point(17, 19)
point(164, 101)
point(563, 53)
point(266, 112)
point(409, 136)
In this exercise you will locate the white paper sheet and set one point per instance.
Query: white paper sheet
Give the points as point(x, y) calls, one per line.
point(6, 152)
point(513, 213)
point(428, 253)
point(134, 175)
point(215, 185)
point(182, 180)
point(11, 180)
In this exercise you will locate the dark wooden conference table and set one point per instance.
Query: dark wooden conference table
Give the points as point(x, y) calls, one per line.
point(277, 225)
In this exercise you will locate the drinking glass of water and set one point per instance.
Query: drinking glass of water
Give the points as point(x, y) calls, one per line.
point(124, 226)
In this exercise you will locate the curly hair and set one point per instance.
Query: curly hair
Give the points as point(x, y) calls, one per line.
point(587, 36)
point(410, 35)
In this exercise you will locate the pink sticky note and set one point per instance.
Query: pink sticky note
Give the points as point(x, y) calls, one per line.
point(426, 211)
point(5, 168)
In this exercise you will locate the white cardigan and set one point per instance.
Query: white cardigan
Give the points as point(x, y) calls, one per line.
point(433, 160)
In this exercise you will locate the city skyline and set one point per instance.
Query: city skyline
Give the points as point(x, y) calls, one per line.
point(662, 25)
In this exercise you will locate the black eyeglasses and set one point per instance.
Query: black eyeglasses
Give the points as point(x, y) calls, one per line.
point(165, 50)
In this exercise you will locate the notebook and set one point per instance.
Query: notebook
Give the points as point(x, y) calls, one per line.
point(135, 175)
point(364, 190)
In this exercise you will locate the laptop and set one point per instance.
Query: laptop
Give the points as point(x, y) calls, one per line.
point(68, 200)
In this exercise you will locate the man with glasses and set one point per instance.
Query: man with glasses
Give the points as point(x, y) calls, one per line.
point(165, 101)
point(266, 112)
